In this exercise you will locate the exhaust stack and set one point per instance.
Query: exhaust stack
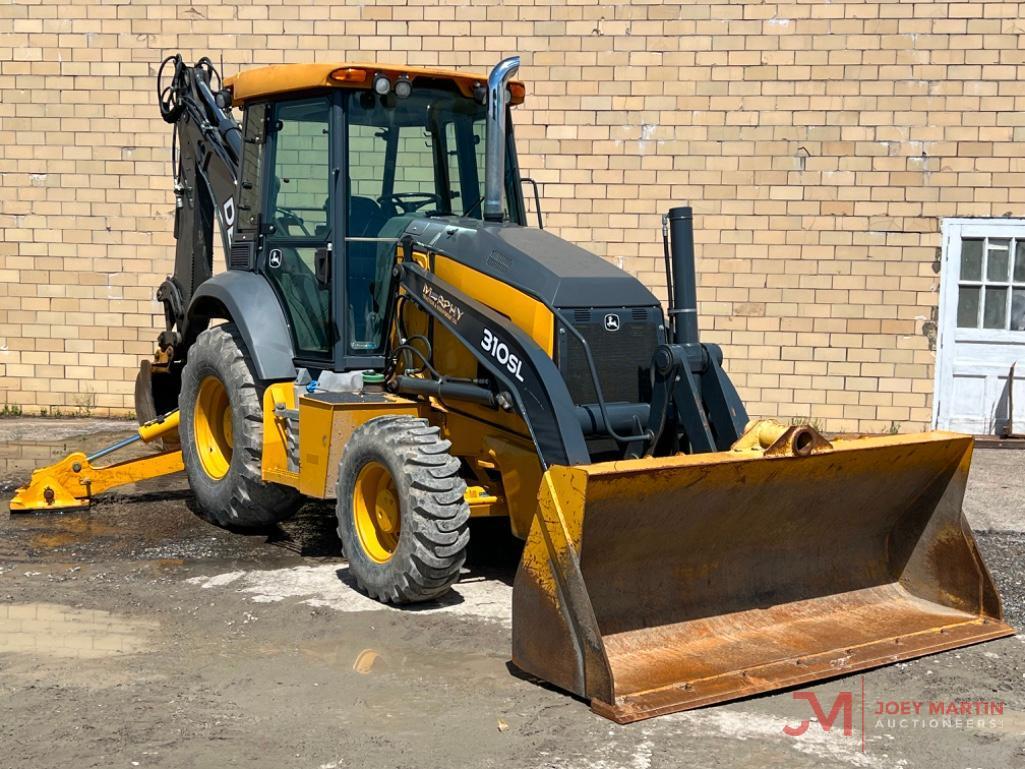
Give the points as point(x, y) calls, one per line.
point(684, 276)
point(494, 168)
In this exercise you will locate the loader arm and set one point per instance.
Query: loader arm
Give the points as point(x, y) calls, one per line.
point(533, 382)
point(734, 563)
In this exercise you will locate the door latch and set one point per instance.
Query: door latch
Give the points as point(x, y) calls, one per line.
point(322, 265)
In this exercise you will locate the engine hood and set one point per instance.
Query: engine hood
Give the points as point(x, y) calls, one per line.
point(559, 272)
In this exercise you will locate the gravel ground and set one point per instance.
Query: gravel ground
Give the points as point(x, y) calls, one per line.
point(136, 634)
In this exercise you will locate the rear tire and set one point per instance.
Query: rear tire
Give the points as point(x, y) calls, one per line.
point(222, 435)
point(402, 514)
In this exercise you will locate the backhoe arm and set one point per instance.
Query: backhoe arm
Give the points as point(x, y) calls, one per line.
point(206, 148)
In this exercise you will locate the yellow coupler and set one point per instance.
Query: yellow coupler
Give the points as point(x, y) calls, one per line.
point(656, 585)
point(73, 481)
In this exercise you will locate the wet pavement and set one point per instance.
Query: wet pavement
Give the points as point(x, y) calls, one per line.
point(137, 634)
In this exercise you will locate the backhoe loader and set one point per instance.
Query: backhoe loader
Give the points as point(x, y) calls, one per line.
point(389, 332)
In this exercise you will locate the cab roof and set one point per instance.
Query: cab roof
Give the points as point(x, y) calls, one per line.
point(280, 79)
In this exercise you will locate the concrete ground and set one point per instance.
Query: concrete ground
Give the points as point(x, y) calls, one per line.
point(136, 634)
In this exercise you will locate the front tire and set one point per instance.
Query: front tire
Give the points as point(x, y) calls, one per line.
point(402, 514)
point(222, 435)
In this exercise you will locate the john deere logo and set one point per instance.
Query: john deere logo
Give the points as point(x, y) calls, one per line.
point(612, 322)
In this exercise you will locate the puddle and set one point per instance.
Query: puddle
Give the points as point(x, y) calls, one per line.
point(72, 429)
point(52, 630)
point(53, 535)
point(65, 530)
point(21, 451)
point(152, 526)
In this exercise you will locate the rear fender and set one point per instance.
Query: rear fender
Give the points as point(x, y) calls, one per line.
point(248, 301)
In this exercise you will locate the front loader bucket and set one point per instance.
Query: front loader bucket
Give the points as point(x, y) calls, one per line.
point(655, 585)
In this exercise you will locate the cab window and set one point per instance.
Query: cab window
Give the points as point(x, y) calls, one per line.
point(407, 158)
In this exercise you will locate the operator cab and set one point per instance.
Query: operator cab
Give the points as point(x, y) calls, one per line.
point(327, 154)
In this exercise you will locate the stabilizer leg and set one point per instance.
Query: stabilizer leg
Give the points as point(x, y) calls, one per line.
point(72, 482)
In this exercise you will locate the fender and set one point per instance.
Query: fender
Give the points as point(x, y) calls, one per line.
point(248, 301)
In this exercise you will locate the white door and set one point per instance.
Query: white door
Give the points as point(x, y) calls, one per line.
point(981, 330)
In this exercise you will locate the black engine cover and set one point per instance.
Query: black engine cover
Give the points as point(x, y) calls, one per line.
point(555, 270)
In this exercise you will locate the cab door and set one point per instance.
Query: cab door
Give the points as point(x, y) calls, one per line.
point(299, 221)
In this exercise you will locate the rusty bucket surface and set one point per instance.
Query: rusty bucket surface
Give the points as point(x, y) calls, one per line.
point(656, 585)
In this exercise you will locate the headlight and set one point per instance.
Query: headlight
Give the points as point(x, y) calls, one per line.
point(382, 85)
point(403, 86)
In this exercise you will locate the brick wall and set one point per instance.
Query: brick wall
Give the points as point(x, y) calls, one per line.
point(819, 142)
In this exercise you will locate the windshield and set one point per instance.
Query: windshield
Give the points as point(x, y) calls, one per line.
point(423, 154)
point(407, 158)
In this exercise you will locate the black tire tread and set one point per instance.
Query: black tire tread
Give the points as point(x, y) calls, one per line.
point(252, 501)
point(435, 515)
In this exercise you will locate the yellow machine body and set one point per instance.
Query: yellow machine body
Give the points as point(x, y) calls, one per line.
point(655, 585)
point(325, 424)
point(492, 443)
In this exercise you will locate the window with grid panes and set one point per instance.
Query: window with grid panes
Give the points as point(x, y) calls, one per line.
point(991, 288)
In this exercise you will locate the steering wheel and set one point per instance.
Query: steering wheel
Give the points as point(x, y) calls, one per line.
point(287, 218)
point(410, 201)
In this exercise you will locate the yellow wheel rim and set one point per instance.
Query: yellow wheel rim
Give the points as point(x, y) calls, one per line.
point(375, 507)
point(212, 421)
